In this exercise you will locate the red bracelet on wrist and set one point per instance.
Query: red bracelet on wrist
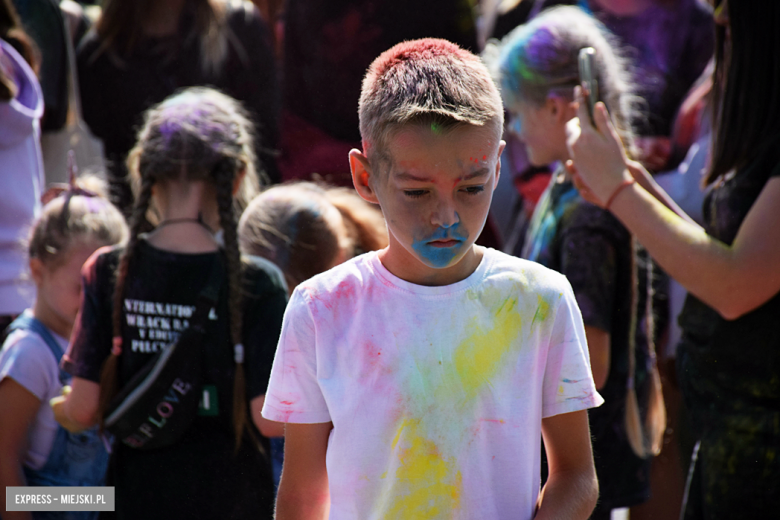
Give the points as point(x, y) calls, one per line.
point(624, 184)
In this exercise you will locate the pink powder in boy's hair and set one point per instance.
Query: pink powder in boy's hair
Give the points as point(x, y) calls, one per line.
point(417, 50)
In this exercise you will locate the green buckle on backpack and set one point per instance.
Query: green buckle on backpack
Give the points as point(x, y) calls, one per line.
point(209, 404)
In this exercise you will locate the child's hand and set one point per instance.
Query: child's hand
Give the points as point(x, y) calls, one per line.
point(599, 161)
point(58, 407)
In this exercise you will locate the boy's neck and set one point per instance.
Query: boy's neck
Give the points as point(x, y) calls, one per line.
point(405, 266)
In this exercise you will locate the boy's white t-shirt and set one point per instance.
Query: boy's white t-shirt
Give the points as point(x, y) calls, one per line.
point(436, 394)
point(26, 359)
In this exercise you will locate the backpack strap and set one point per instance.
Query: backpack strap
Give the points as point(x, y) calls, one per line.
point(30, 323)
point(209, 295)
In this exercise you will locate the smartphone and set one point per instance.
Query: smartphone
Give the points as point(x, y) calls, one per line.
point(588, 81)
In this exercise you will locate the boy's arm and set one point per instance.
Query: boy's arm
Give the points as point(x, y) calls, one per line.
point(572, 489)
point(267, 427)
point(303, 490)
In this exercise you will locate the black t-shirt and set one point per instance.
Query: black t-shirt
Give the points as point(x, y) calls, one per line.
point(115, 96)
point(200, 476)
point(730, 369)
point(594, 251)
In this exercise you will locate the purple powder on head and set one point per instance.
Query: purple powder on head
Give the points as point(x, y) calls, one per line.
point(95, 204)
point(168, 128)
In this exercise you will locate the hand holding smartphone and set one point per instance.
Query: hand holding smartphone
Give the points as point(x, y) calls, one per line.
point(588, 81)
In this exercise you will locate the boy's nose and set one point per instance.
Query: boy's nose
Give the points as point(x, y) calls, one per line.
point(445, 215)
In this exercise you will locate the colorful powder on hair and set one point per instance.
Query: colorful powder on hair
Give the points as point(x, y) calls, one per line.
point(524, 52)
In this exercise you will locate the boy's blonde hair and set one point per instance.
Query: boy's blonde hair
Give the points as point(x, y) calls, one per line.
point(428, 81)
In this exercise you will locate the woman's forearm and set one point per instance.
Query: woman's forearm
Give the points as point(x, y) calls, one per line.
point(646, 180)
point(732, 279)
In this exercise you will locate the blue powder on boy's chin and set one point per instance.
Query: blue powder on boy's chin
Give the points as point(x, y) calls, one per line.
point(440, 257)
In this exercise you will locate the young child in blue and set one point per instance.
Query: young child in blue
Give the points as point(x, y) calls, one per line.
point(417, 381)
point(35, 450)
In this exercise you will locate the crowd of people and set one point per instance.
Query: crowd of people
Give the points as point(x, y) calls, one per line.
point(435, 274)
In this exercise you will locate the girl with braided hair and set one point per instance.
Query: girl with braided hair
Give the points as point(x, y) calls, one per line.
point(188, 163)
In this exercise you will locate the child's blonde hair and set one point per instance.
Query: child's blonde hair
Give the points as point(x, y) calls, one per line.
point(75, 216)
point(305, 227)
point(198, 134)
point(365, 224)
point(295, 227)
point(428, 81)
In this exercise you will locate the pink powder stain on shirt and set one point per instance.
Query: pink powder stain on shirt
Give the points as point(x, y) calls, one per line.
point(343, 290)
point(287, 406)
point(494, 421)
point(376, 366)
point(340, 296)
point(285, 415)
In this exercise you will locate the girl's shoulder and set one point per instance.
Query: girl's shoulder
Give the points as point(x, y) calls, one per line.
point(27, 359)
point(262, 277)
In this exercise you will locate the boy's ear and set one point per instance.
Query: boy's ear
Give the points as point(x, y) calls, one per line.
point(501, 146)
point(361, 175)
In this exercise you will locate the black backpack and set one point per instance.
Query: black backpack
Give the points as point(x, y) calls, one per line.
point(157, 406)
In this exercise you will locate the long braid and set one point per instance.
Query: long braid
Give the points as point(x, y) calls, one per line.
point(655, 421)
point(633, 420)
point(645, 437)
point(224, 176)
point(109, 377)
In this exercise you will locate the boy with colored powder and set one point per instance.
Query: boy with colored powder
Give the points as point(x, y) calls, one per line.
point(416, 381)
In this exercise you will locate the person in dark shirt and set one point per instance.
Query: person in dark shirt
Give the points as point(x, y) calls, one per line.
point(191, 154)
point(729, 356)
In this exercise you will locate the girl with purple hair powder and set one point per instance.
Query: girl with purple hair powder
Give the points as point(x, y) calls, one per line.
point(191, 155)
